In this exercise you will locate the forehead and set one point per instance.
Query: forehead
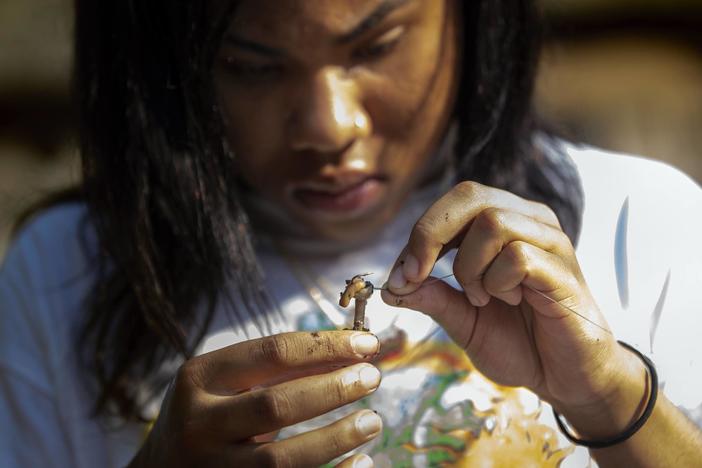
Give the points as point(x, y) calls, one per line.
point(295, 19)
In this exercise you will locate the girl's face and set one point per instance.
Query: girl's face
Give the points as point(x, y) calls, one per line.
point(334, 107)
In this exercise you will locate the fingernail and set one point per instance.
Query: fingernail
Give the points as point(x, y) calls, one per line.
point(410, 267)
point(369, 423)
point(397, 278)
point(364, 344)
point(363, 461)
point(365, 374)
point(369, 377)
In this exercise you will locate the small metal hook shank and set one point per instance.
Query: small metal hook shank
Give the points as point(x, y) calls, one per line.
point(361, 298)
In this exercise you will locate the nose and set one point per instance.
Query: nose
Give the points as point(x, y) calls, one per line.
point(328, 115)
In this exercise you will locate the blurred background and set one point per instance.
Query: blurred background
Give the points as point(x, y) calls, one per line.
point(620, 74)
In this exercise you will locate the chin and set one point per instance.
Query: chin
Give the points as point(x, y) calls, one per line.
point(350, 230)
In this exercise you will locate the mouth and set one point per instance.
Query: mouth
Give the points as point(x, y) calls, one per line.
point(344, 199)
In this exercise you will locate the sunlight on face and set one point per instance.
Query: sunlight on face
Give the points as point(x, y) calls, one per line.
point(334, 108)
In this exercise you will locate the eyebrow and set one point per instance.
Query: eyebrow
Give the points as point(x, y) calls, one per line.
point(372, 20)
point(369, 22)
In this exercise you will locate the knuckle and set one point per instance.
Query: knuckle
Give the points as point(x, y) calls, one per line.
point(547, 213)
point(427, 233)
point(564, 242)
point(491, 220)
point(518, 253)
point(273, 406)
point(270, 456)
point(542, 207)
point(189, 375)
point(328, 346)
point(468, 188)
point(424, 229)
point(337, 391)
point(275, 350)
point(340, 441)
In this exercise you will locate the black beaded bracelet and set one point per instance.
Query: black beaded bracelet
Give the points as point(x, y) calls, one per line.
point(631, 430)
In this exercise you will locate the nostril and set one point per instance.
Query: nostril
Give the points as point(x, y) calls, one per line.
point(322, 156)
point(327, 136)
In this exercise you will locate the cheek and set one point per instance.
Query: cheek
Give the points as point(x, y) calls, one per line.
point(255, 133)
point(410, 105)
point(394, 101)
point(251, 129)
point(408, 95)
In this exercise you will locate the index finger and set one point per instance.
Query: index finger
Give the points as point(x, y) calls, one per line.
point(261, 361)
point(443, 223)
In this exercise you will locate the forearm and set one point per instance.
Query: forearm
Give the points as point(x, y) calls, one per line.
point(668, 438)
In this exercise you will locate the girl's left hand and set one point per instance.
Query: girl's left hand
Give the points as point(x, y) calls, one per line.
point(508, 248)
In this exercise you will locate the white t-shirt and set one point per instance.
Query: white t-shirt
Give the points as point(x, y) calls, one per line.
point(638, 247)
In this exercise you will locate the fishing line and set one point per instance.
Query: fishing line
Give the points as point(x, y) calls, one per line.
point(545, 296)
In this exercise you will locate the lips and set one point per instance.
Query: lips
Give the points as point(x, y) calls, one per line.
point(351, 197)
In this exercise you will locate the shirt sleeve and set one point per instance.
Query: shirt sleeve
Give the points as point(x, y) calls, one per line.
point(32, 434)
point(31, 431)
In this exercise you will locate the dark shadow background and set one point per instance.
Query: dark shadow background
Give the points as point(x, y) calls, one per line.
point(626, 75)
point(621, 74)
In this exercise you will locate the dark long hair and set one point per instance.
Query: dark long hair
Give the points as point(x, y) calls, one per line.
point(160, 184)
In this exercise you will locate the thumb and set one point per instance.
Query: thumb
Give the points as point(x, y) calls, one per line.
point(448, 306)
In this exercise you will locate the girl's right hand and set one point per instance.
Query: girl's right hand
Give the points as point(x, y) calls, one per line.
point(223, 403)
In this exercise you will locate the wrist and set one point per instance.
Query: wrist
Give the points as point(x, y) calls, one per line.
point(618, 404)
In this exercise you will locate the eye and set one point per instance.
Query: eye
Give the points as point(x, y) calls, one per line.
point(382, 45)
point(250, 71)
